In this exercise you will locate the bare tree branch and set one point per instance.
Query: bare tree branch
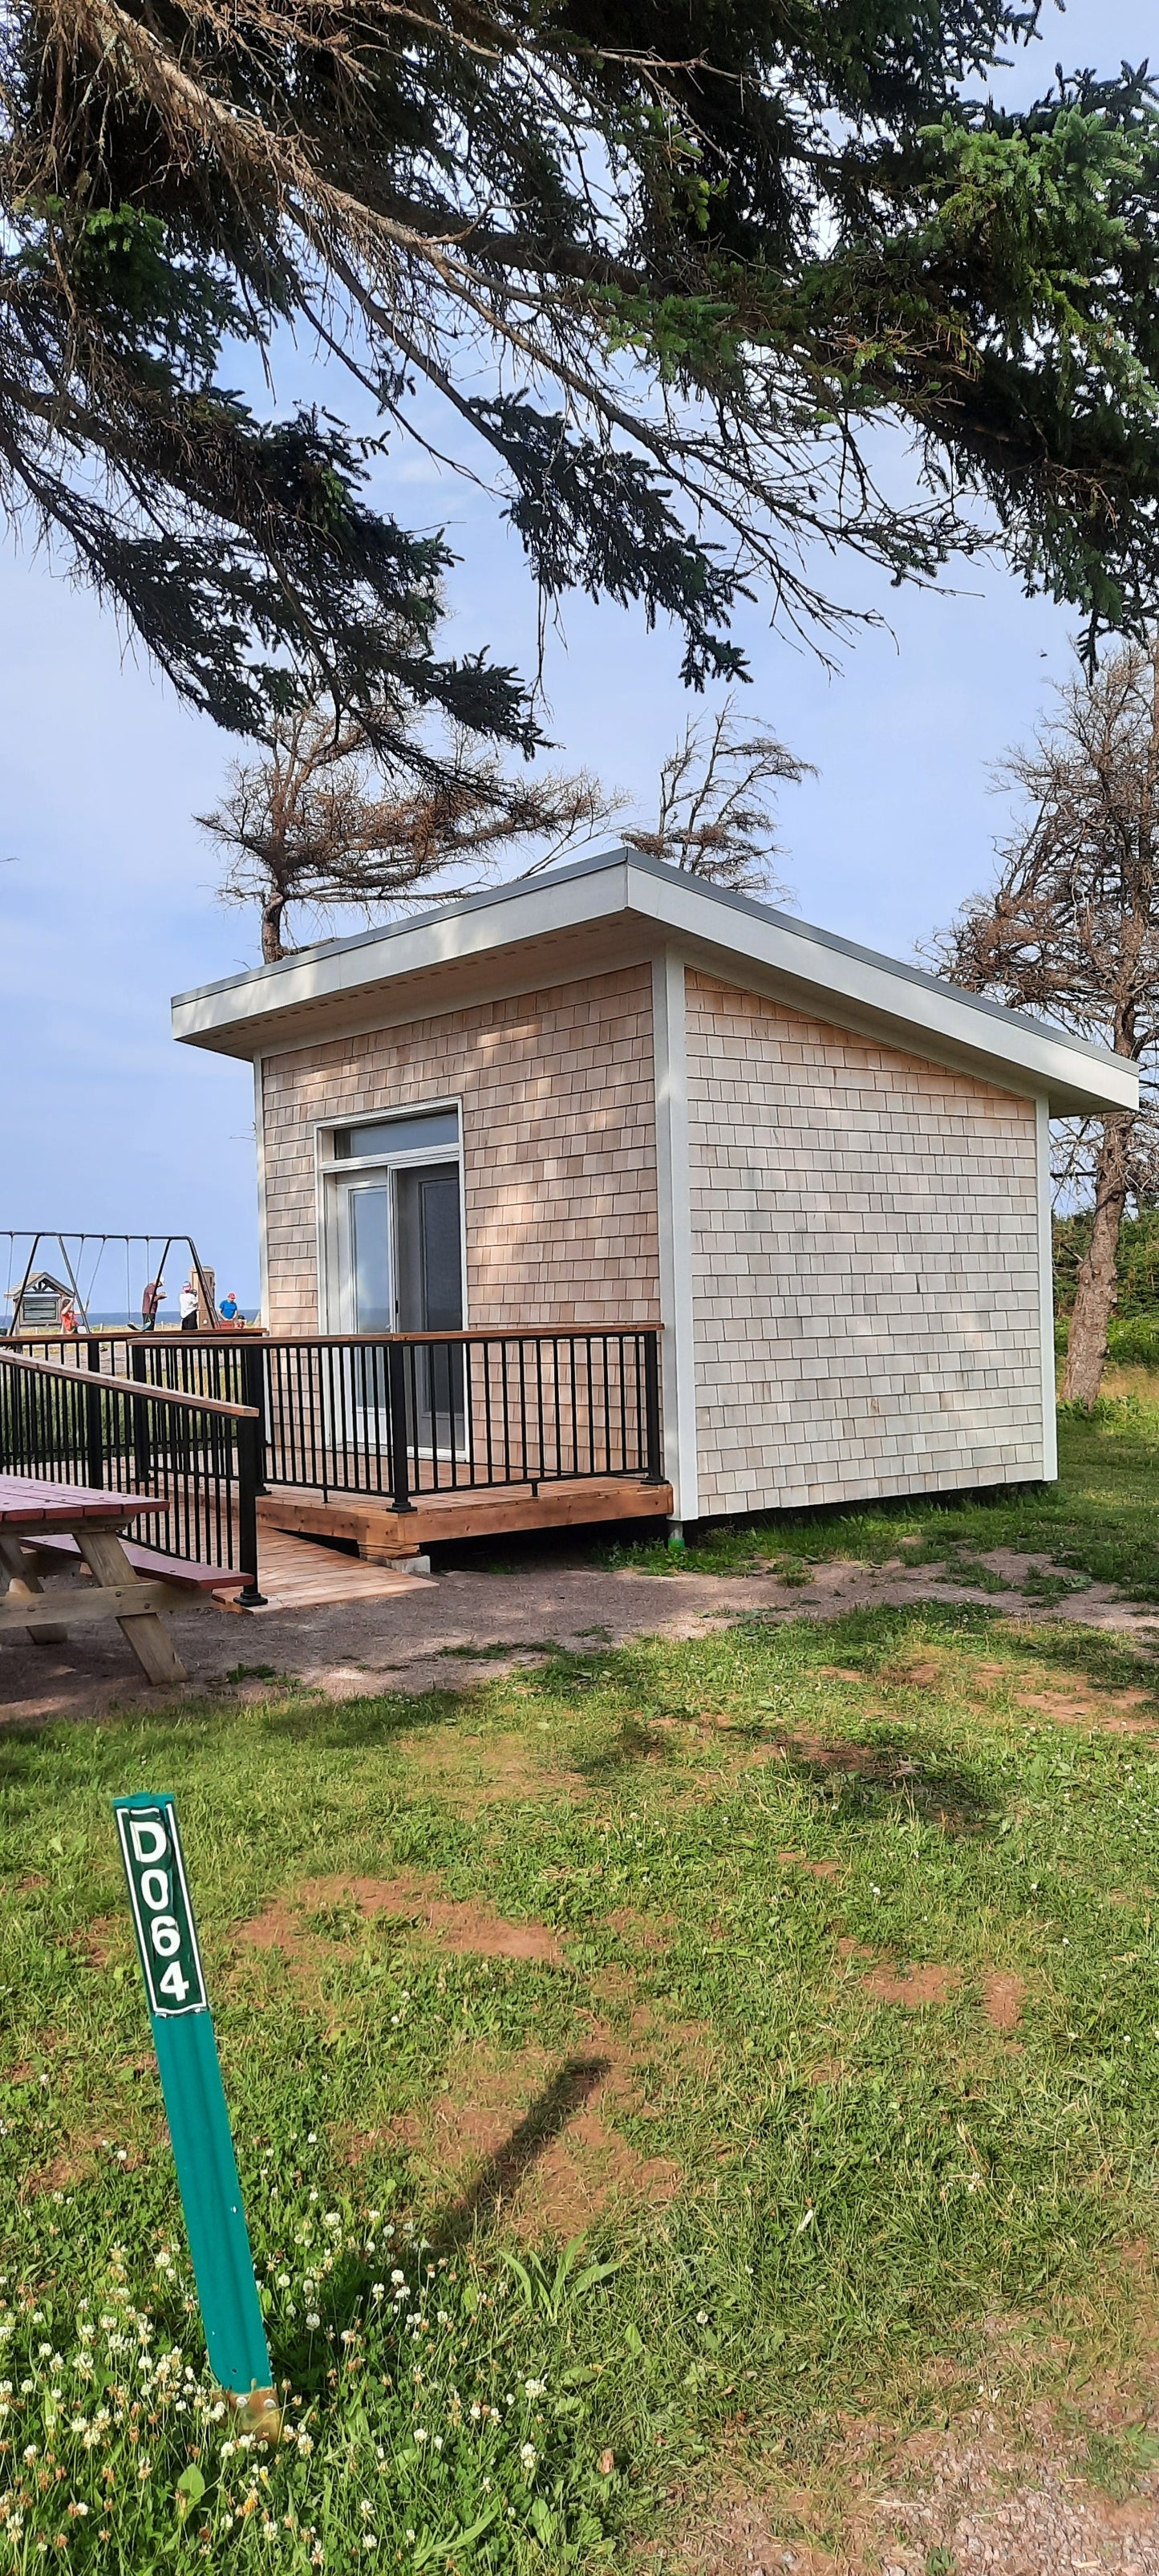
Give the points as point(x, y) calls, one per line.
point(341, 813)
point(1071, 932)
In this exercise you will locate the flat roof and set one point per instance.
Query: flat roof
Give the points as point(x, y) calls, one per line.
point(579, 919)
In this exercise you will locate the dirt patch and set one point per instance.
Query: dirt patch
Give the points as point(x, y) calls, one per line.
point(839, 1673)
point(924, 1674)
point(988, 1677)
point(533, 2143)
point(1002, 1998)
point(912, 1987)
point(1111, 1712)
point(861, 1761)
point(99, 1941)
point(644, 1931)
point(812, 1868)
point(74, 2164)
point(744, 2540)
point(460, 1926)
point(472, 1771)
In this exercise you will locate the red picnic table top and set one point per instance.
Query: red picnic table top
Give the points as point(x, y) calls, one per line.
point(31, 1502)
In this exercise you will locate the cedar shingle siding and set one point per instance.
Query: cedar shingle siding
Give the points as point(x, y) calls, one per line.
point(865, 1264)
point(559, 1149)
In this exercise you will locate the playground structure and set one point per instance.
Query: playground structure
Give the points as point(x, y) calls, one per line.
point(93, 1262)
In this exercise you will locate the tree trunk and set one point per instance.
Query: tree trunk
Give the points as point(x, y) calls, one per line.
point(272, 913)
point(1097, 1285)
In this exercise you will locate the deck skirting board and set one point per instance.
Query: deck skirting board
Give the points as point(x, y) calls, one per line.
point(483, 1513)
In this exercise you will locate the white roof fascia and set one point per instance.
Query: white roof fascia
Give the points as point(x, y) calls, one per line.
point(730, 934)
point(473, 930)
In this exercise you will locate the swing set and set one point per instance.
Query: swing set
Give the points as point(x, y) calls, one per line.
point(80, 1253)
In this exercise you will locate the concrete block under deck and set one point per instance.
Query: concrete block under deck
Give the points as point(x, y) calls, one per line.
point(382, 1534)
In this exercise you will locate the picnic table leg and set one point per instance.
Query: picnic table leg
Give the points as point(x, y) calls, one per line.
point(146, 1631)
point(23, 1585)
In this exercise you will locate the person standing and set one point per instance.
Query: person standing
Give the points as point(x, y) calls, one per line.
point(187, 1307)
point(228, 1309)
point(154, 1292)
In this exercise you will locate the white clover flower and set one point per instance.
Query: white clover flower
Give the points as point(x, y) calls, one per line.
point(313, 2320)
point(535, 2387)
point(529, 2455)
point(702, 2316)
point(378, 2291)
point(420, 2436)
point(398, 2276)
point(283, 2281)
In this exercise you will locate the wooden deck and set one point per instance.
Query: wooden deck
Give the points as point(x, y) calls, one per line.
point(383, 1536)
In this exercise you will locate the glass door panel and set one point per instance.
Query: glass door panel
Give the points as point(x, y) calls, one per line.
point(429, 1265)
point(370, 1259)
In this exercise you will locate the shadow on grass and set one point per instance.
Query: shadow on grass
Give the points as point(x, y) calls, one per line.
point(550, 2114)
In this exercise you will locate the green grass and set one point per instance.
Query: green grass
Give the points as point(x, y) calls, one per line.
point(854, 2191)
point(1100, 1520)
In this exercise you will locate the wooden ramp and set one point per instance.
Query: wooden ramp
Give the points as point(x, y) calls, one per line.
point(384, 1535)
point(298, 1574)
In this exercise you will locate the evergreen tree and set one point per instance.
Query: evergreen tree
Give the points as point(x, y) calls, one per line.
point(663, 268)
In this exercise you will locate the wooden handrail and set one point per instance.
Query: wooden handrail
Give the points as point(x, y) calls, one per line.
point(128, 1386)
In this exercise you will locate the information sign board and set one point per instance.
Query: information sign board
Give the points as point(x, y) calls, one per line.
point(162, 1913)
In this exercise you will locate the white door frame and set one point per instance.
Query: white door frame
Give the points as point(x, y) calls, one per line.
point(331, 1170)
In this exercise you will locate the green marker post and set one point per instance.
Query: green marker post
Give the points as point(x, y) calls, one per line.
point(196, 2107)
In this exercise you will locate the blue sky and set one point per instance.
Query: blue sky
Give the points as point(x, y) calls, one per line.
point(110, 905)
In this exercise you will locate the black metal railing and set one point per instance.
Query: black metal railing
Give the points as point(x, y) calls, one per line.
point(73, 1423)
point(400, 1415)
point(407, 1414)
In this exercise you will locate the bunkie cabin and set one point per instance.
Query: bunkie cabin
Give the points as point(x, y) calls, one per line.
point(610, 1194)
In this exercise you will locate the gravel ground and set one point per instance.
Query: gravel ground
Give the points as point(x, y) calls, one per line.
point(971, 2503)
point(419, 1638)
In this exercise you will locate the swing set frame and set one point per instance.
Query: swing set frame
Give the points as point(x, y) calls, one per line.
point(73, 1262)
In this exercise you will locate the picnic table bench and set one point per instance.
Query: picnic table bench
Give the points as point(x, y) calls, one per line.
point(45, 1525)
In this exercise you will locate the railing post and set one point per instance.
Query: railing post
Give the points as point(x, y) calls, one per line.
point(138, 1407)
point(396, 1417)
point(248, 1456)
point(94, 1444)
point(652, 1448)
point(253, 1391)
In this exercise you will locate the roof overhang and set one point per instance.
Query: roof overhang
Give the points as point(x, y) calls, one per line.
point(606, 911)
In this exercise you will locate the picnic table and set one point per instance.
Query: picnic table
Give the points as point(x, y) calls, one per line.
point(34, 1513)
